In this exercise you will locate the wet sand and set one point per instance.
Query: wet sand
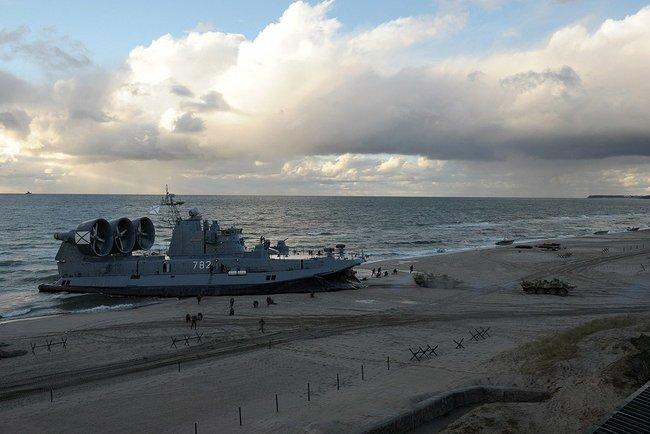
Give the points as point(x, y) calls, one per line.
point(119, 371)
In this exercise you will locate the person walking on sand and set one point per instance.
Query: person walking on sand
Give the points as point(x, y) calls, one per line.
point(261, 327)
point(373, 272)
point(411, 268)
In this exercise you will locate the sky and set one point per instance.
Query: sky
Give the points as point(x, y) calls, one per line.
point(544, 98)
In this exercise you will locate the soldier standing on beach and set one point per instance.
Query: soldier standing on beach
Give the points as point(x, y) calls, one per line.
point(261, 323)
point(411, 268)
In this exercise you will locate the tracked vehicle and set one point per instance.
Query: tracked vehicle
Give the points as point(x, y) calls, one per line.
point(554, 286)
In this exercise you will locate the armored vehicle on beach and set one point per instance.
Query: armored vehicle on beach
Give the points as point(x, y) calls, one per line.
point(553, 286)
point(113, 257)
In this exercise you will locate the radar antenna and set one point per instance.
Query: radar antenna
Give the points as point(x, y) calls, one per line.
point(168, 209)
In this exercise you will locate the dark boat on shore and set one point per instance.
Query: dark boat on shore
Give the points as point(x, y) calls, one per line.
point(504, 242)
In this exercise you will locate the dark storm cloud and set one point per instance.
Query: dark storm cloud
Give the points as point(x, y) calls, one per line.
point(585, 146)
point(412, 112)
point(111, 142)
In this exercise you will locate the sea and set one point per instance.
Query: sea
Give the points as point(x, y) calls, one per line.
point(380, 227)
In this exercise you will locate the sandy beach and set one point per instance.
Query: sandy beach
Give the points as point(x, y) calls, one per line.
point(120, 370)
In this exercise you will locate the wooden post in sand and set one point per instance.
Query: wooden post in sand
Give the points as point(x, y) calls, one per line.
point(362, 377)
point(196, 427)
point(277, 408)
point(51, 396)
point(308, 393)
point(338, 385)
point(388, 363)
point(179, 366)
point(239, 416)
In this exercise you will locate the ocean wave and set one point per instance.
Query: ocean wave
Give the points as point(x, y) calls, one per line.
point(414, 243)
point(15, 313)
point(38, 279)
point(105, 308)
point(11, 263)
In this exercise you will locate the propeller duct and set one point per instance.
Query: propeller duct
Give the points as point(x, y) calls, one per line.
point(123, 235)
point(94, 237)
point(145, 233)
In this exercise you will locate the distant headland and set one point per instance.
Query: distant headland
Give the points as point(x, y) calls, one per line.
point(609, 196)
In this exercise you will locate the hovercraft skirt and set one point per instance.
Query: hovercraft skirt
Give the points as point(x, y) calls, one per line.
point(335, 282)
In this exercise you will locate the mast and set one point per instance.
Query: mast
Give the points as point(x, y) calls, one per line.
point(170, 215)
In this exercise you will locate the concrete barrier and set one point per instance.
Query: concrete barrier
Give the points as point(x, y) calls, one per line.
point(431, 408)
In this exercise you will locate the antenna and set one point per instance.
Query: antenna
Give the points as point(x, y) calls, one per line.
point(171, 215)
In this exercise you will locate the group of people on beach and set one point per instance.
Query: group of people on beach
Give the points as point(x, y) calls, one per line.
point(194, 319)
point(376, 272)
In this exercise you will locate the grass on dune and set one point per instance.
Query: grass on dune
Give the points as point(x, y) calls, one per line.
point(543, 353)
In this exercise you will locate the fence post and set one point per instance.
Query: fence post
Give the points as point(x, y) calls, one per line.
point(362, 377)
point(308, 393)
point(338, 385)
point(51, 396)
point(239, 416)
point(277, 408)
point(388, 362)
point(196, 427)
point(179, 366)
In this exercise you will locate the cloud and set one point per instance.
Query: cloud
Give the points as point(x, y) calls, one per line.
point(405, 32)
point(97, 116)
point(8, 36)
point(321, 103)
point(209, 102)
point(180, 90)
point(188, 123)
point(16, 120)
point(49, 49)
point(14, 90)
point(527, 81)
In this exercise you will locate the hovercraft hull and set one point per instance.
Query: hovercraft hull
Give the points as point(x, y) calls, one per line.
point(338, 281)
